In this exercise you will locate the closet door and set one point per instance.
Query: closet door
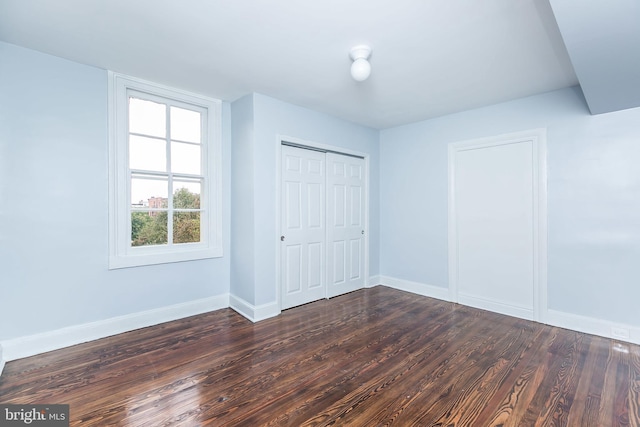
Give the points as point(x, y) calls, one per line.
point(303, 228)
point(345, 223)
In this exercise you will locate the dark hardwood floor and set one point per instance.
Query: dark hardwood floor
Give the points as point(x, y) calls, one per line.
point(373, 357)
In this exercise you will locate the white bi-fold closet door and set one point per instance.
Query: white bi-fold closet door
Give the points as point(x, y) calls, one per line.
point(322, 213)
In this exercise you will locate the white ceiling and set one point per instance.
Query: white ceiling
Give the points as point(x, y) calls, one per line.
point(430, 57)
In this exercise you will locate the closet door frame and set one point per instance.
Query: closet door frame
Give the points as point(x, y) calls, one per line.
point(312, 145)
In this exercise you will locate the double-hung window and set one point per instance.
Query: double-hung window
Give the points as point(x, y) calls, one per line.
point(164, 181)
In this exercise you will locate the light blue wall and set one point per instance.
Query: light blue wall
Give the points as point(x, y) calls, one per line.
point(273, 118)
point(54, 202)
point(593, 204)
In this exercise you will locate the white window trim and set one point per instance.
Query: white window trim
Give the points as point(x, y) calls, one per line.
point(121, 254)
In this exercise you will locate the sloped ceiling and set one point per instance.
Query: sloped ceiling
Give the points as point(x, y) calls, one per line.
point(430, 57)
point(603, 41)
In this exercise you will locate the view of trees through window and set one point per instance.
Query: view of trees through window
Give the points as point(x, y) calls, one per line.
point(151, 227)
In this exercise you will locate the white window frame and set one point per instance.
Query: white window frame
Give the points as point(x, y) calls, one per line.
point(121, 253)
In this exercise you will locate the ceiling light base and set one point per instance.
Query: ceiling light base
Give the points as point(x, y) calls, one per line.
point(360, 51)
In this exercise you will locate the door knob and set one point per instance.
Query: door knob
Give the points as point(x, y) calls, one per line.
point(282, 238)
point(362, 231)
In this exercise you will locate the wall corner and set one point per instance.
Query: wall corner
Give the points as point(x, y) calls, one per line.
point(1, 360)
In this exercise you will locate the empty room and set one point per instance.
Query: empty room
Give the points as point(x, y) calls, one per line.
point(411, 213)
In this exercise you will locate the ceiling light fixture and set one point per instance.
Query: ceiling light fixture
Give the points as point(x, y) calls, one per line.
point(360, 69)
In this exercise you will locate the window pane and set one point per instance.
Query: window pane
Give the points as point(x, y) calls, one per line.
point(148, 228)
point(186, 194)
point(147, 153)
point(185, 125)
point(185, 158)
point(147, 117)
point(186, 227)
point(149, 193)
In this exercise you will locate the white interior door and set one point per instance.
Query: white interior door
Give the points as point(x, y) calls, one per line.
point(302, 250)
point(345, 223)
point(494, 219)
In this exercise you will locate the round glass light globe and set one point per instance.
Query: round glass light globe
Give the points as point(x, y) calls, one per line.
point(360, 69)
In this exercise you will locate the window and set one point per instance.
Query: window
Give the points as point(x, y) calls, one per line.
point(164, 174)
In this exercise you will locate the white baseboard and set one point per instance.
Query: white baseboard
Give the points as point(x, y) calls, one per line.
point(416, 287)
point(574, 322)
point(495, 306)
point(590, 325)
point(253, 312)
point(31, 345)
point(373, 281)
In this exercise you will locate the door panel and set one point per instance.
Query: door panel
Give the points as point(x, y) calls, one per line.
point(495, 198)
point(315, 265)
point(339, 204)
point(303, 226)
point(495, 241)
point(339, 262)
point(293, 274)
point(293, 207)
point(345, 219)
point(315, 199)
point(356, 206)
point(356, 248)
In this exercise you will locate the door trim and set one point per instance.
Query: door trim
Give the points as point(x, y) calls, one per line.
point(539, 140)
point(312, 145)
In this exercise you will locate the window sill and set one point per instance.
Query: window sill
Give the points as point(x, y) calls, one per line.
point(116, 262)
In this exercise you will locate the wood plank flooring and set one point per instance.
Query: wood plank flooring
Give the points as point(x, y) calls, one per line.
point(370, 358)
